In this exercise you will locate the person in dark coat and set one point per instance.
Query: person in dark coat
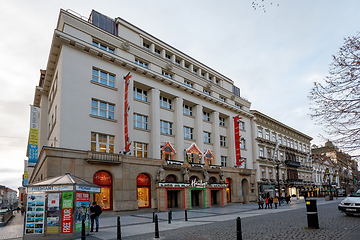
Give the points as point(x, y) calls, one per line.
point(95, 211)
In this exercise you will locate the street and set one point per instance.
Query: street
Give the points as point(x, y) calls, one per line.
point(219, 223)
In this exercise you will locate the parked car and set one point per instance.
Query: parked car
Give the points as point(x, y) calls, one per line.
point(351, 205)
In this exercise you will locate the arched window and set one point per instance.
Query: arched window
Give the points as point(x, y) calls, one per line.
point(104, 198)
point(171, 178)
point(192, 178)
point(212, 180)
point(143, 190)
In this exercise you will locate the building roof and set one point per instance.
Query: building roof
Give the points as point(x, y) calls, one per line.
point(66, 179)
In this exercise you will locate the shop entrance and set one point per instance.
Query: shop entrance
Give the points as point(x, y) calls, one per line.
point(228, 190)
point(143, 190)
point(103, 199)
point(215, 197)
point(197, 198)
point(173, 198)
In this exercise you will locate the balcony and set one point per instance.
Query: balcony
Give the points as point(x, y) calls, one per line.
point(101, 157)
point(292, 163)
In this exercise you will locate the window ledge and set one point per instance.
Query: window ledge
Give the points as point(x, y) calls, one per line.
point(186, 115)
point(169, 135)
point(224, 146)
point(190, 139)
point(102, 85)
point(141, 129)
point(207, 121)
point(223, 126)
point(142, 101)
point(102, 118)
point(208, 143)
point(171, 110)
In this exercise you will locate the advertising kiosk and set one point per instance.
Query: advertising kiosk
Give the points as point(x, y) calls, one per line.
point(56, 207)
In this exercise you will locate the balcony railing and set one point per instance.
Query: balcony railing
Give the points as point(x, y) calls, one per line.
point(104, 157)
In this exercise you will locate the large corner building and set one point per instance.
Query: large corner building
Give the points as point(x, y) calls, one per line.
point(150, 124)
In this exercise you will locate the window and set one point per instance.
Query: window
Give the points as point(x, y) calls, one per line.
point(222, 98)
point(103, 47)
point(187, 66)
point(263, 174)
point(259, 132)
point(210, 78)
point(187, 110)
point(202, 75)
point(285, 142)
point(140, 149)
point(206, 92)
point(207, 138)
point(241, 125)
point(102, 142)
point(103, 77)
point(145, 45)
point(188, 133)
point(102, 109)
point(296, 145)
point(269, 153)
point(165, 102)
point(292, 144)
point(189, 84)
point(223, 161)
point(140, 94)
point(261, 152)
point(280, 139)
point(167, 56)
point(194, 70)
point(242, 143)
point(267, 135)
point(281, 156)
point(206, 116)
point(140, 121)
point(167, 74)
point(222, 121)
point(217, 82)
point(238, 105)
point(141, 63)
point(222, 141)
point(270, 174)
point(157, 51)
point(177, 61)
point(274, 137)
point(282, 174)
point(165, 127)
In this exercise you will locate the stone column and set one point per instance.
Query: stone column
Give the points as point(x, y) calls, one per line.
point(179, 129)
point(154, 123)
point(215, 138)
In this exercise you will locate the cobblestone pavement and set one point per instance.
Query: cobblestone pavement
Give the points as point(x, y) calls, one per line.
point(277, 225)
point(13, 229)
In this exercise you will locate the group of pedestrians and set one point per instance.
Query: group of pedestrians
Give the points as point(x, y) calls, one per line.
point(269, 201)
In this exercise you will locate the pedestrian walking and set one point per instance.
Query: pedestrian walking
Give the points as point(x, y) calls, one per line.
point(262, 203)
point(287, 199)
point(95, 211)
point(259, 202)
point(22, 210)
point(276, 201)
point(266, 202)
point(270, 202)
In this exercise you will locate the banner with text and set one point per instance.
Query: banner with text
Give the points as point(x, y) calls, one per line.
point(33, 136)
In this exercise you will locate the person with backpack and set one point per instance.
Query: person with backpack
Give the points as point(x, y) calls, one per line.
point(95, 211)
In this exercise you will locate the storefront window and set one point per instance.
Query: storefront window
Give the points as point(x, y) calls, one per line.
point(143, 191)
point(104, 198)
point(228, 190)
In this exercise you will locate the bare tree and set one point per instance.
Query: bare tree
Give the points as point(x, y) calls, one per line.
point(336, 103)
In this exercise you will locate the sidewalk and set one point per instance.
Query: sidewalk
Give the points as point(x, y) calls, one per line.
point(141, 223)
point(14, 228)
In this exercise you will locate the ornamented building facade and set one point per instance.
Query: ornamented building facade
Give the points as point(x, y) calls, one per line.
point(153, 126)
point(281, 157)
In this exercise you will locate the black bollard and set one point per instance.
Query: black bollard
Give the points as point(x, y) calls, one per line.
point(185, 215)
point(153, 216)
point(312, 215)
point(118, 228)
point(156, 227)
point(238, 229)
point(169, 217)
point(83, 237)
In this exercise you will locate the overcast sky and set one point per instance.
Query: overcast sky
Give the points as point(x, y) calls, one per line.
point(273, 54)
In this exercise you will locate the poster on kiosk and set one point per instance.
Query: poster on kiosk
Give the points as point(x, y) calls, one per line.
point(56, 211)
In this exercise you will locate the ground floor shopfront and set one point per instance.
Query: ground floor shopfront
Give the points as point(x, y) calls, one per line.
point(266, 189)
point(130, 183)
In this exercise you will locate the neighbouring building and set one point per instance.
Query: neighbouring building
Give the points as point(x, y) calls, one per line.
point(348, 168)
point(281, 158)
point(325, 175)
point(150, 124)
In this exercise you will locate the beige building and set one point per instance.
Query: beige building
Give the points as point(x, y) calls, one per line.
point(281, 158)
point(151, 125)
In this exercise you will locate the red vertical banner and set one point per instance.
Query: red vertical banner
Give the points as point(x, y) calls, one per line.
point(237, 140)
point(126, 110)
